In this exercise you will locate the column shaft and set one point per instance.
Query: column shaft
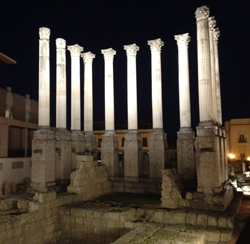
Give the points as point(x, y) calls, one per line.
point(155, 47)
point(75, 51)
point(184, 91)
point(131, 51)
point(204, 64)
point(109, 89)
point(44, 78)
point(61, 104)
point(88, 91)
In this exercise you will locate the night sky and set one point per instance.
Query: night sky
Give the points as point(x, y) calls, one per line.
point(97, 25)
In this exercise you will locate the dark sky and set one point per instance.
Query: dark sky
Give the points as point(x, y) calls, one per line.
point(97, 25)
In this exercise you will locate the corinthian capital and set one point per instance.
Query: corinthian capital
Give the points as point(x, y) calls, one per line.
point(211, 23)
point(183, 39)
point(60, 43)
point(202, 13)
point(75, 50)
point(88, 57)
point(216, 34)
point(155, 45)
point(44, 33)
point(131, 50)
point(108, 53)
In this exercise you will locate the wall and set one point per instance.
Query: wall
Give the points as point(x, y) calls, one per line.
point(10, 173)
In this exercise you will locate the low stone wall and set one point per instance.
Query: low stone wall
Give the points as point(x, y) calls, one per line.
point(27, 221)
point(102, 223)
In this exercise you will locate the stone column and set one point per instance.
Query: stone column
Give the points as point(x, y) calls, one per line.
point(109, 146)
point(44, 78)
point(78, 144)
point(185, 136)
point(208, 160)
point(90, 138)
point(132, 144)
point(62, 135)
point(157, 143)
point(216, 34)
point(43, 144)
point(204, 65)
point(212, 24)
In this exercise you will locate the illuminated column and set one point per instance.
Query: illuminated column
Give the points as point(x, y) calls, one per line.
point(78, 145)
point(109, 89)
point(185, 136)
point(131, 51)
point(62, 135)
point(208, 146)
point(217, 75)
point(75, 51)
point(184, 92)
point(44, 78)
point(212, 24)
point(60, 83)
point(109, 145)
point(132, 144)
point(90, 138)
point(157, 143)
point(155, 47)
point(43, 143)
point(204, 64)
point(88, 91)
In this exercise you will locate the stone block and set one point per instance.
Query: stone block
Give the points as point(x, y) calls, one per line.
point(226, 236)
point(191, 218)
point(22, 220)
point(212, 220)
point(44, 197)
point(202, 219)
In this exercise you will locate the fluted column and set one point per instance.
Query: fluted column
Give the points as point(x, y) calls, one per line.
point(131, 51)
point(109, 89)
point(88, 90)
point(216, 35)
point(157, 141)
point(184, 91)
point(155, 47)
point(212, 24)
point(44, 78)
point(185, 136)
point(75, 51)
point(61, 106)
point(90, 138)
point(109, 145)
point(204, 64)
point(78, 145)
point(132, 144)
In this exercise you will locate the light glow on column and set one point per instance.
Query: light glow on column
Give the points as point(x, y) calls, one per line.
point(131, 51)
point(44, 78)
point(155, 47)
point(88, 90)
point(75, 51)
point(109, 89)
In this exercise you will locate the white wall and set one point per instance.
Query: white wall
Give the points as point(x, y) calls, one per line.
point(9, 175)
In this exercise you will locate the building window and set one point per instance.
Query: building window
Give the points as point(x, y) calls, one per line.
point(242, 156)
point(99, 142)
point(17, 165)
point(123, 139)
point(242, 138)
point(144, 141)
